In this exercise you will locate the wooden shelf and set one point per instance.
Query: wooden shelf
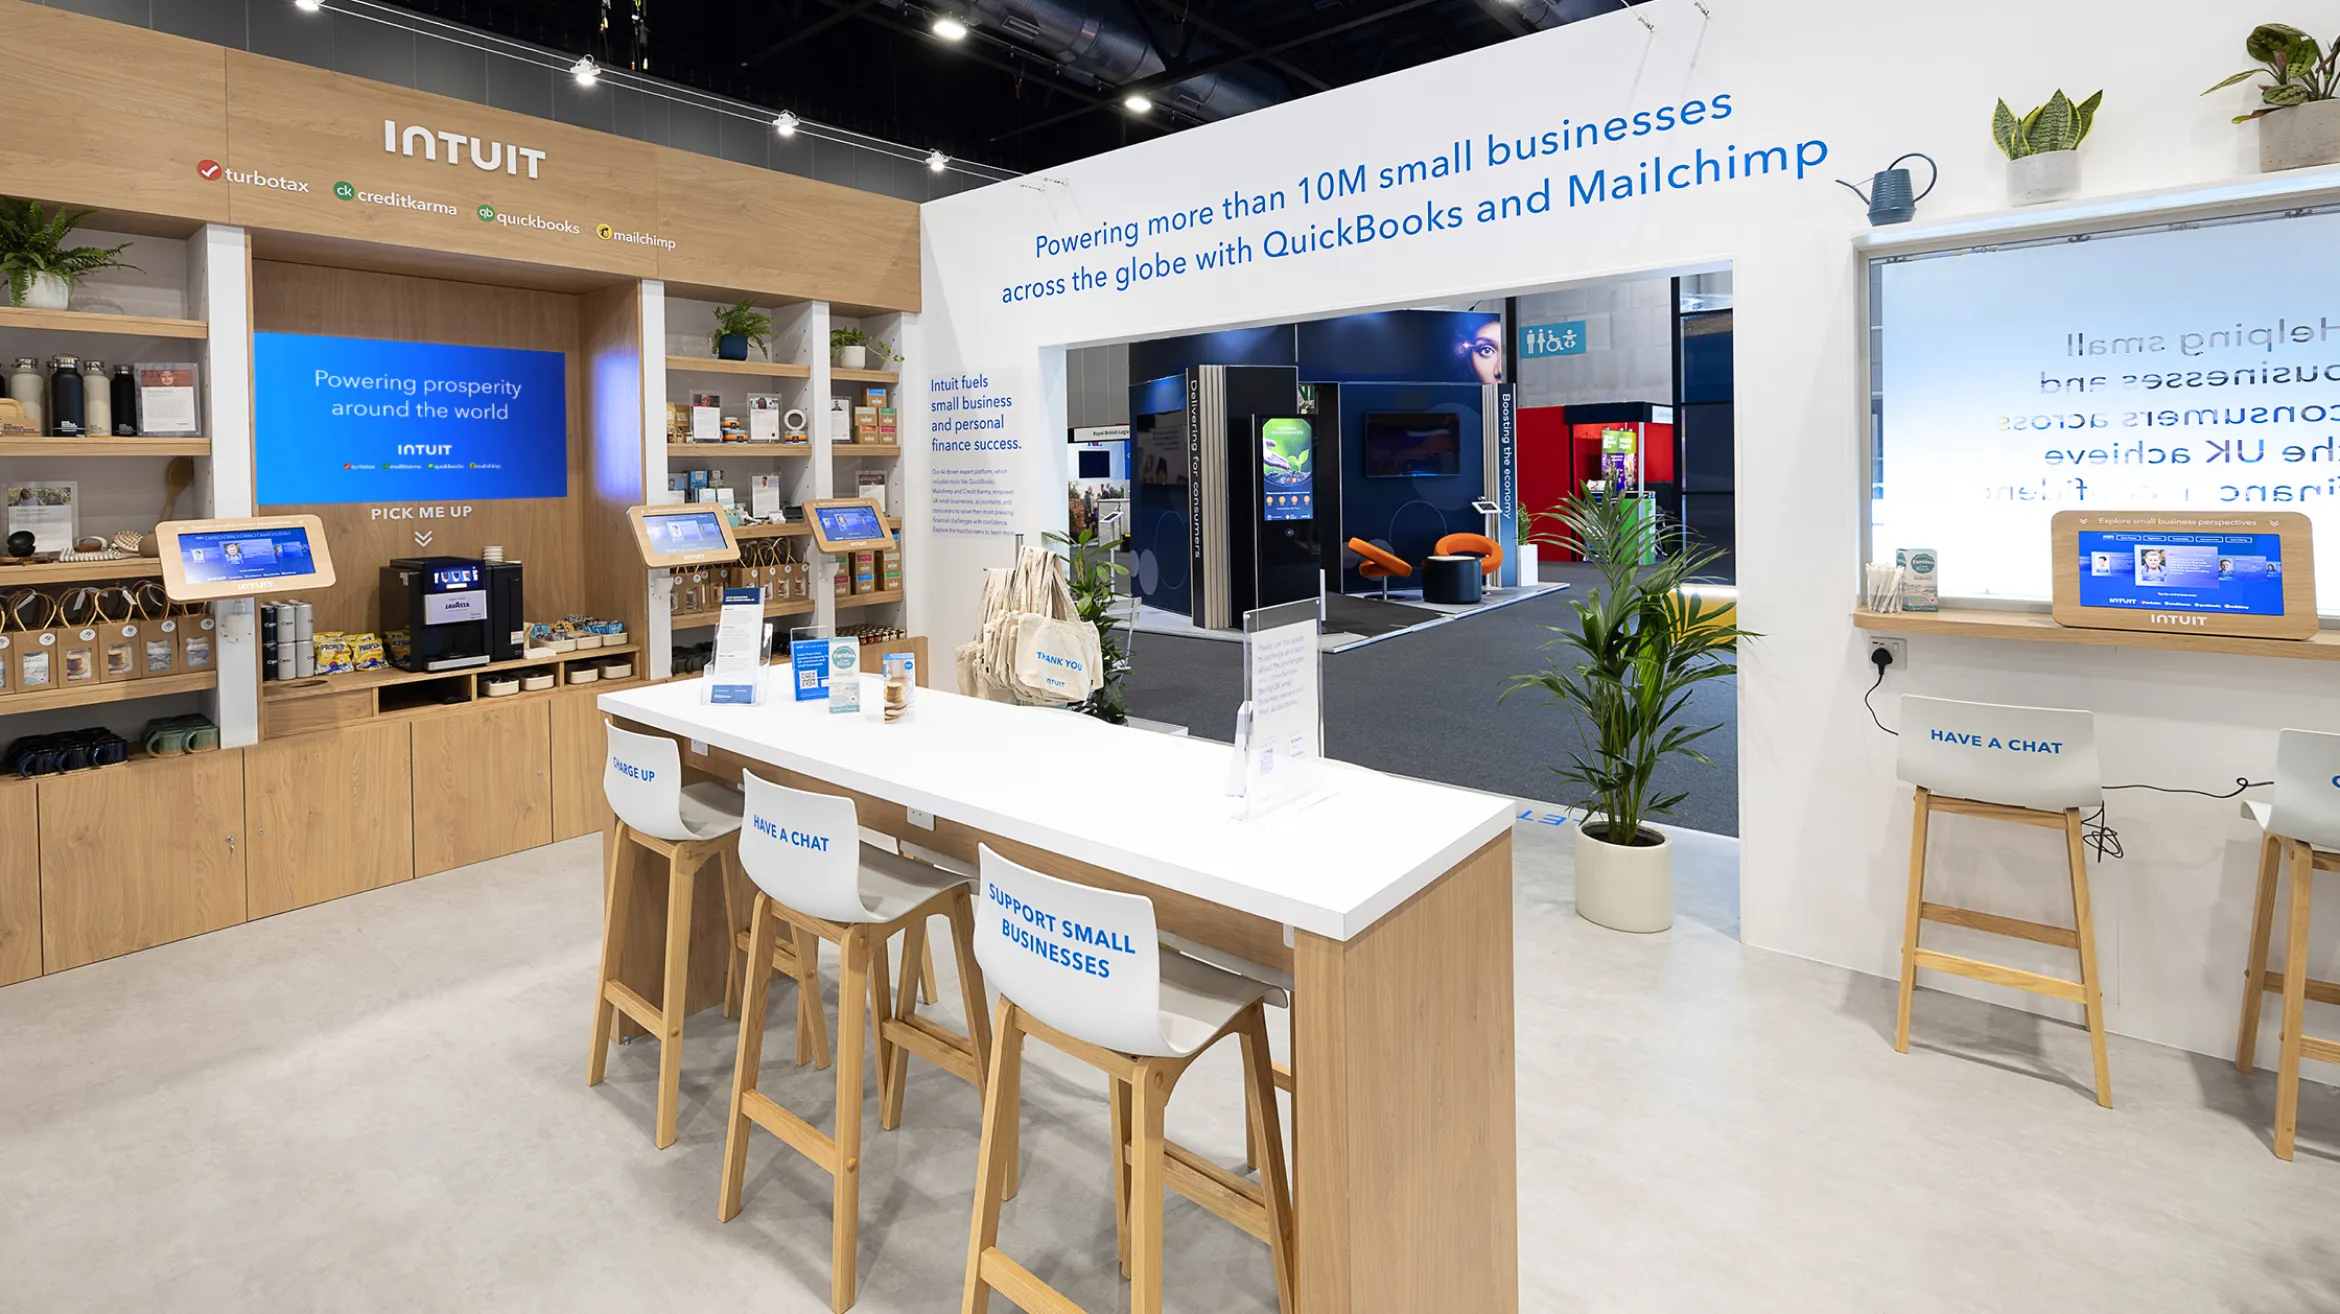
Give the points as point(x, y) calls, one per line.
point(866, 449)
point(355, 681)
point(122, 691)
point(88, 321)
point(786, 529)
point(839, 374)
point(79, 572)
point(699, 620)
point(78, 447)
point(761, 369)
point(2037, 627)
point(869, 599)
point(768, 450)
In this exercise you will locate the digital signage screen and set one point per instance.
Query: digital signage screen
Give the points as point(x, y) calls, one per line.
point(1287, 469)
point(1412, 446)
point(236, 555)
point(2238, 574)
point(367, 420)
point(849, 523)
point(700, 531)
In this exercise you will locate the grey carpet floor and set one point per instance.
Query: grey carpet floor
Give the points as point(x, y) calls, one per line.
point(1426, 704)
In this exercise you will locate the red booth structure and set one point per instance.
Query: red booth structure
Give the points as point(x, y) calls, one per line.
point(1560, 449)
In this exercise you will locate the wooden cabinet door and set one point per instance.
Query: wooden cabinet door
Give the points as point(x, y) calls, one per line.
point(482, 783)
point(331, 813)
point(140, 855)
point(20, 881)
point(580, 752)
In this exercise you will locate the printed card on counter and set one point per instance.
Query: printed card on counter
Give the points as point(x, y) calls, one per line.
point(735, 673)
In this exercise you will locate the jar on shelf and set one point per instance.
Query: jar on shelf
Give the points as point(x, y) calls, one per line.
point(97, 399)
point(65, 396)
point(25, 387)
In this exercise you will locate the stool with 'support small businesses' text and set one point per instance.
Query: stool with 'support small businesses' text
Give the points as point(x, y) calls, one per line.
point(2300, 830)
point(2034, 766)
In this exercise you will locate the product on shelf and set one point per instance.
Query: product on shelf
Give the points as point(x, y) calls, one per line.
point(97, 399)
point(65, 397)
point(124, 404)
point(69, 750)
point(169, 736)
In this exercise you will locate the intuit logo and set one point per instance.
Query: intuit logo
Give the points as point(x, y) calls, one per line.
point(629, 769)
point(487, 157)
point(2190, 622)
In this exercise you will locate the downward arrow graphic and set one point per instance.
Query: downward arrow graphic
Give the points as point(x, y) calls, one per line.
point(422, 538)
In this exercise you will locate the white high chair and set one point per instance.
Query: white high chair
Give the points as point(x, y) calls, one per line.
point(2035, 766)
point(2301, 830)
point(1084, 970)
point(815, 877)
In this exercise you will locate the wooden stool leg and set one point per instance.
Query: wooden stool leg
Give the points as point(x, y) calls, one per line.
point(892, 1060)
point(927, 990)
point(2295, 978)
point(1117, 1095)
point(852, 1031)
point(763, 929)
point(971, 992)
point(812, 1021)
point(1919, 811)
point(734, 957)
point(1002, 1105)
point(682, 873)
point(615, 881)
point(2091, 985)
point(1259, 1090)
point(2246, 1044)
point(1148, 1168)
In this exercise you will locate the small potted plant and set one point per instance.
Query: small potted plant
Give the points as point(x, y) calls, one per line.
point(2043, 147)
point(737, 326)
point(1095, 579)
point(1641, 643)
point(42, 271)
point(1525, 552)
point(2299, 119)
point(851, 349)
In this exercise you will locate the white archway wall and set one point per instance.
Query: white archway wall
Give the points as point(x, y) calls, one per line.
point(1824, 824)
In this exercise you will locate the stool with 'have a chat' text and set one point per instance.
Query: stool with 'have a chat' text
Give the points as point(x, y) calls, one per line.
point(2300, 836)
point(2034, 766)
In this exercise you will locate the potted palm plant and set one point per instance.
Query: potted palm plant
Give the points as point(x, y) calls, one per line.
point(2043, 147)
point(2299, 114)
point(1641, 643)
point(42, 271)
point(737, 326)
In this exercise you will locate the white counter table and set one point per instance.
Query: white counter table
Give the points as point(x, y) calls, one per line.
point(1389, 901)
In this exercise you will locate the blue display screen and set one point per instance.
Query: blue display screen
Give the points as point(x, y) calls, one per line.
point(232, 555)
point(840, 524)
point(694, 531)
point(1287, 469)
point(2239, 574)
point(363, 420)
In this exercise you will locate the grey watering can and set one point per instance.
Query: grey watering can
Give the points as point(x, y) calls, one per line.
point(1888, 196)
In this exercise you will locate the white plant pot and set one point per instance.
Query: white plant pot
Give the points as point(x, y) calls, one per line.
point(853, 358)
point(1526, 553)
point(2047, 176)
point(2302, 135)
point(1625, 887)
point(47, 292)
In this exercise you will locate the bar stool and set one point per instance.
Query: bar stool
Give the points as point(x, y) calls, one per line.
point(2301, 830)
point(2033, 766)
point(1083, 970)
point(815, 878)
point(1279, 995)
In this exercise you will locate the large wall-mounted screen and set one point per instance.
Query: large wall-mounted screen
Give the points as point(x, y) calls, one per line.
point(366, 420)
point(2169, 369)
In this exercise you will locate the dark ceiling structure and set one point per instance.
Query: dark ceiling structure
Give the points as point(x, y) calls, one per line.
point(1026, 84)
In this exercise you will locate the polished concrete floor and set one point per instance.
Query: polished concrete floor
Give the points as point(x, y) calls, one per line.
point(379, 1104)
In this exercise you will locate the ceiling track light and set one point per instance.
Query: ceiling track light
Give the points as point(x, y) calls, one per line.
point(936, 161)
point(308, 6)
point(585, 71)
point(949, 28)
point(785, 125)
point(1138, 104)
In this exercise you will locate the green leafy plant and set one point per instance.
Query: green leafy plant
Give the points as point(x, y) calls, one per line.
point(1641, 644)
point(743, 320)
point(33, 242)
point(2058, 125)
point(853, 337)
point(2300, 69)
point(1094, 577)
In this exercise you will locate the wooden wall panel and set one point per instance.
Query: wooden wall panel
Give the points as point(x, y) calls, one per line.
point(482, 783)
point(580, 748)
point(105, 114)
point(542, 533)
point(735, 226)
point(330, 814)
point(133, 857)
point(20, 881)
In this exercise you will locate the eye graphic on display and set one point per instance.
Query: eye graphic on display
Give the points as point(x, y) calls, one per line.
point(1287, 470)
point(697, 532)
point(839, 523)
point(242, 554)
point(2239, 574)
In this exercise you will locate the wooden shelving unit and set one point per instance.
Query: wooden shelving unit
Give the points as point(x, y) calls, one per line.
point(79, 572)
point(869, 599)
point(788, 529)
point(2034, 627)
point(390, 677)
point(758, 369)
point(88, 321)
point(840, 374)
point(80, 447)
point(874, 450)
point(780, 451)
point(84, 695)
point(699, 620)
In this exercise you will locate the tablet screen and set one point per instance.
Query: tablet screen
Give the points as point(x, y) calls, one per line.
point(2235, 574)
point(231, 556)
point(852, 523)
point(696, 531)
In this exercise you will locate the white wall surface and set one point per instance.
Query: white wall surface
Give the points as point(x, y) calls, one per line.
point(1824, 824)
point(1628, 345)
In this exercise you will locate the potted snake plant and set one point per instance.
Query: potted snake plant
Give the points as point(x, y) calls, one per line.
point(1642, 642)
point(2043, 147)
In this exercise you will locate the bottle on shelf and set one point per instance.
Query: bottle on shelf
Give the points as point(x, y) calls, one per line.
point(25, 387)
point(97, 399)
point(125, 402)
point(65, 396)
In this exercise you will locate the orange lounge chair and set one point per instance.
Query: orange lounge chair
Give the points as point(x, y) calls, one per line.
point(1489, 552)
point(1379, 565)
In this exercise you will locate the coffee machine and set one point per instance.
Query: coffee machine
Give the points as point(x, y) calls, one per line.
point(447, 613)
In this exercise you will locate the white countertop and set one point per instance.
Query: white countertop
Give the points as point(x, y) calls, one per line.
point(1150, 806)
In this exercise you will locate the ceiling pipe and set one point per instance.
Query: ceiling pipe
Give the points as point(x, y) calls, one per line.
point(1084, 37)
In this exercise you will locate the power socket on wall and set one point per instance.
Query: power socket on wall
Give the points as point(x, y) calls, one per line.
point(1899, 648)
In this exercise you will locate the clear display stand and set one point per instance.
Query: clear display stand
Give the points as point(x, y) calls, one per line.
point(743, 646)
point(1280, 728)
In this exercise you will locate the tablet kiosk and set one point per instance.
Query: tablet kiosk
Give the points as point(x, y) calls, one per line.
point(2211, 572)
point(848, 524)
point(206, 560)
point(684, 534)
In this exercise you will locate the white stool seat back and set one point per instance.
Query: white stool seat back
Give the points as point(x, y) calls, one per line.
point(2306, 806)
point(1089, 963)
point(2043, 758)
point(643, 782)
point(804, 850)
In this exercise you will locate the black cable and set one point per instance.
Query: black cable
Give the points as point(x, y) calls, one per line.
point(1873, 691)
point(2241, 783)
point(2107, 841)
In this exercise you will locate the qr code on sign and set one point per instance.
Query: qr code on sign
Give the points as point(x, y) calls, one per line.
point(807, 679)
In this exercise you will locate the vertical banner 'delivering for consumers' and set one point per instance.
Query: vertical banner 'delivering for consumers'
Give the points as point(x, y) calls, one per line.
point(366, 420)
